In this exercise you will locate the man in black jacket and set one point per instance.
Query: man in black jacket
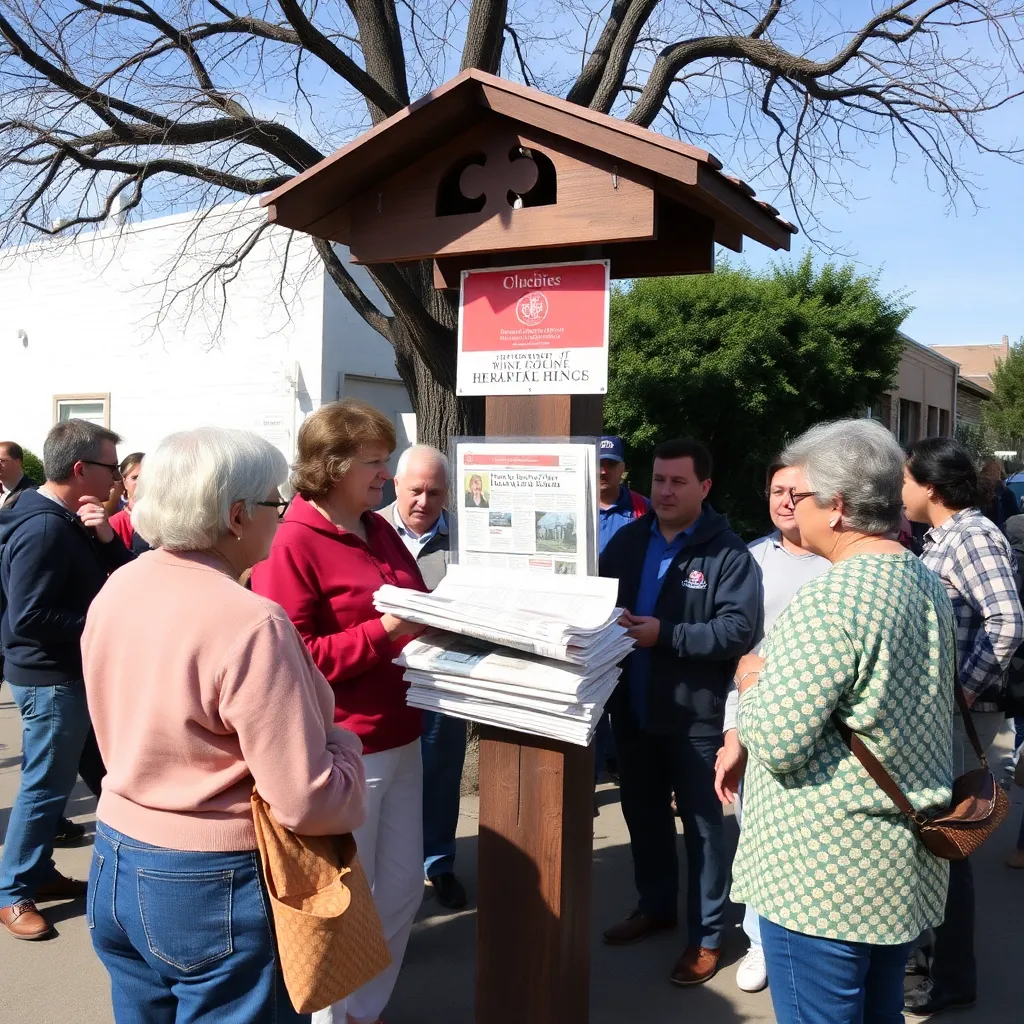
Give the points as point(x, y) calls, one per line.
point(12, 473)
point(56, 551)
point(690, 590)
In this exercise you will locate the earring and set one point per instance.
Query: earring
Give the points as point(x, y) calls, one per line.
point(831, 522)
point(238, 536)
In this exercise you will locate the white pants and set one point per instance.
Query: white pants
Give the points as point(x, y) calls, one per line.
point(390, 848)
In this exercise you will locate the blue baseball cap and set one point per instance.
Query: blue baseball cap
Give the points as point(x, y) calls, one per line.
point(611, 448)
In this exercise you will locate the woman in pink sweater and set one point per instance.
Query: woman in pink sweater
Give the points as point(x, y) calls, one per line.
point(226, 695)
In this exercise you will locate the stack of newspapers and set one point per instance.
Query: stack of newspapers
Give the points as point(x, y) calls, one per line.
point(531, 652)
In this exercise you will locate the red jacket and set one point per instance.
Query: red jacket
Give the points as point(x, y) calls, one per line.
point(325, 579)
point(121, 524)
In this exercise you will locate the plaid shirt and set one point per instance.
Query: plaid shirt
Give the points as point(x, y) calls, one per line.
point(976, 565)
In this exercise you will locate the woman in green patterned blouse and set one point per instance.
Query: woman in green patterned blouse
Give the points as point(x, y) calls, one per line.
point(838, 875)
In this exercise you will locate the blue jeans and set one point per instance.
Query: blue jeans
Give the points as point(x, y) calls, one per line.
point(54, 724)
point(443, 745)
point(184, 936)
point(827, 981)
point(651, 768)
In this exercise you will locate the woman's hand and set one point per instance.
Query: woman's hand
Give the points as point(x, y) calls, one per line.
point(730, 763)
point(750, 665)
point(397, 628)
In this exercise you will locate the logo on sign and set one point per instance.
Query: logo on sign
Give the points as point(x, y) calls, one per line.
point(695, 581)
point(531, 309)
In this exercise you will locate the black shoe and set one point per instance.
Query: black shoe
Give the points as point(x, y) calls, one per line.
point(68, 833)
point(923, 1002)
point(449, 891)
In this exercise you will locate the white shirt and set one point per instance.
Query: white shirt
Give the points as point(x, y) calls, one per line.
point(413, 541)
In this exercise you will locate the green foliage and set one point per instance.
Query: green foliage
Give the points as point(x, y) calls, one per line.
point(33, 467)
point(1003, 415)
point(975, 438)
point(744, 362)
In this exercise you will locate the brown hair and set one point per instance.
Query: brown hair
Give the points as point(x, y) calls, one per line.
point(14, 450)
point(331, 438)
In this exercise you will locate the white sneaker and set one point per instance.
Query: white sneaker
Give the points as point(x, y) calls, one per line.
point(752, 974)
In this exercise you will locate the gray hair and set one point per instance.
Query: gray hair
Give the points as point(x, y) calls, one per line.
point(194, 477)
point(438, 458)
point(70, 442)
point(858, 461)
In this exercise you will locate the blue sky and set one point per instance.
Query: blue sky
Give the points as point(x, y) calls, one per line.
point(963, 268)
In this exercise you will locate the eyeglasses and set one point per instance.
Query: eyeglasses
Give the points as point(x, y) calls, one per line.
point(798, 496)
point(115, 469)
point(281, 506)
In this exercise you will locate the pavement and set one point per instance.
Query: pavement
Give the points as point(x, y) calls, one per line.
point(60, 980)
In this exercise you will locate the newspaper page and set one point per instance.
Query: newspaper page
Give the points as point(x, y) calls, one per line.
point(527, 506)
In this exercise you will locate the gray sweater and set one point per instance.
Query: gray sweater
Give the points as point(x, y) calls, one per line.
point(781, 574)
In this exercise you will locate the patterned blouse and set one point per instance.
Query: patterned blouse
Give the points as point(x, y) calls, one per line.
point(823, 850)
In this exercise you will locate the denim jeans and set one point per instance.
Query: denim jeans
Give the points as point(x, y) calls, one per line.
point(651, 768)
point(54, 723)
point(184, 936)
point(828, 981)
point(443, 744)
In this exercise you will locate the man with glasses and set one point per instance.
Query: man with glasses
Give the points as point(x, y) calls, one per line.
point(56, 551)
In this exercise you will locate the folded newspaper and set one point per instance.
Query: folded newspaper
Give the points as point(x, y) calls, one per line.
point(535, 654)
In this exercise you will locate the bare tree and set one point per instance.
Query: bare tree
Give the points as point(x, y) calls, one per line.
point(147, 105)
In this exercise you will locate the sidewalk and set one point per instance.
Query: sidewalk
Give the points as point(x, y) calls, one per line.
point(61, 981)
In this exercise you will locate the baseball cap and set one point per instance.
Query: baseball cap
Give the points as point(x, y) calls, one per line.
point(611, 448)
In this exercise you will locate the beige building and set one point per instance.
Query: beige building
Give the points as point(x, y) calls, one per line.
point(977, 362)
point(924, 401)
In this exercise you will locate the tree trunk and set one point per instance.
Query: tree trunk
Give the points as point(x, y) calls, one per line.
point(440, 415)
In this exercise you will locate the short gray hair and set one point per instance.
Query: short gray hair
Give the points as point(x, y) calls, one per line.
point(438, 457)
point(858, 461)
point(194, 477)
point(73, 441)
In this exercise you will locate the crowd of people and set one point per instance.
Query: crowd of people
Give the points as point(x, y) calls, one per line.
point(753, 666)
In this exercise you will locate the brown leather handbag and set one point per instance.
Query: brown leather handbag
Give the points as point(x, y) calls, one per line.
point(329, 936)
point(975, 811)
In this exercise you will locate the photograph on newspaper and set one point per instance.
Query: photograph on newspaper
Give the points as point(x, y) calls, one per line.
point(526, 505)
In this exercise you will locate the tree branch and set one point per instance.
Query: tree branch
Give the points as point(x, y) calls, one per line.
point(383, 54)
point(348, 287)
point(586, 85)
point(621, 53)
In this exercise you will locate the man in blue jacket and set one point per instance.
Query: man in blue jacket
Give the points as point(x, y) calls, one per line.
point(692, 600)
point(56, 551)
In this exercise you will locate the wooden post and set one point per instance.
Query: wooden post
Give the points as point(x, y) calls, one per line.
point(536, 821)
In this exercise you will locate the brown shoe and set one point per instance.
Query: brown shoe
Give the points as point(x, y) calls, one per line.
point(697, 965)
point(636, 928)
point(23, 921)
point(61, 887)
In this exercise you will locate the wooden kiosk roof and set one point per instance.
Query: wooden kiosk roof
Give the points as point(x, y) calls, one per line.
point(686, 184)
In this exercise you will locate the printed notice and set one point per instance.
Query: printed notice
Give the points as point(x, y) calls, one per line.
point(534, 330)
point(526, 506)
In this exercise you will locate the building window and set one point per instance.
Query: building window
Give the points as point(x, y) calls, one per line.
point(933, 421)
point(944, 423)
point(910, 422)
point(91, 408)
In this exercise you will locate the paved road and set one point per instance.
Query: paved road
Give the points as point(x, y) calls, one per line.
point(60, 981)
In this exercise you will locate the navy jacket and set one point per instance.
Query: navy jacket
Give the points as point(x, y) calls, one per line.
point(710, 610)
point(51, 567)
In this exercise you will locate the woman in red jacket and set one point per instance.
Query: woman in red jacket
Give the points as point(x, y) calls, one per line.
point(121, 522)
point(328, 558)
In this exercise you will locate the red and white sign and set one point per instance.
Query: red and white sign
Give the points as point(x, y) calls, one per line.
point(539, 330)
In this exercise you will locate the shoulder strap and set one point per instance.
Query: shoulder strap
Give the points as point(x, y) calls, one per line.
point(873, 766)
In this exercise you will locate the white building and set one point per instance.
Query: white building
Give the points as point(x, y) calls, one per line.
point(88, 328)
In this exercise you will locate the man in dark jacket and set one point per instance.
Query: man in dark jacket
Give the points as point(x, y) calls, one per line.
point(12, 473)
point(56, 551)
point(690, 590)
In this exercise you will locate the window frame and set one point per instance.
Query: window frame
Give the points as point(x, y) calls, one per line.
point(97, 396)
